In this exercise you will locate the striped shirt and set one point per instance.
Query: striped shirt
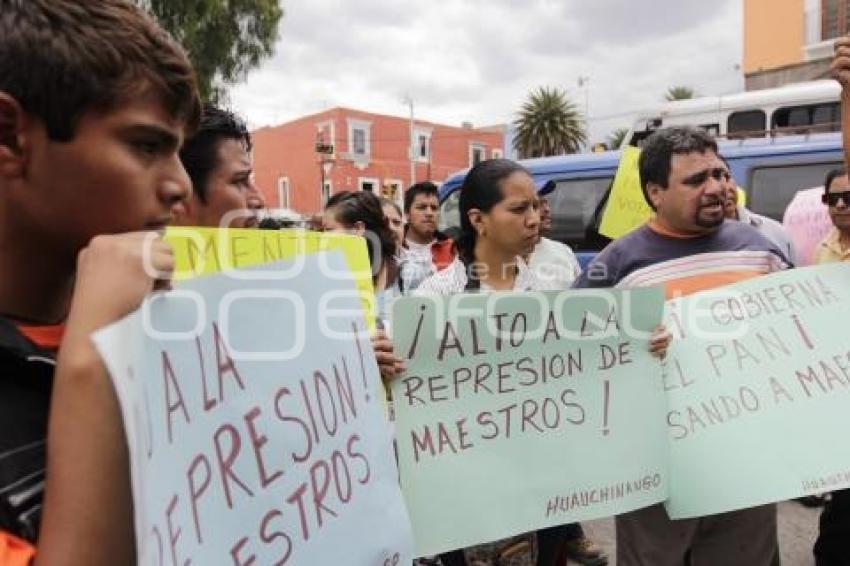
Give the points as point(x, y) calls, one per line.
point(650, 255)
point(454, 279)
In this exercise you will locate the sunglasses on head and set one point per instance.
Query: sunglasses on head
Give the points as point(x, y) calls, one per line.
point(832, 198)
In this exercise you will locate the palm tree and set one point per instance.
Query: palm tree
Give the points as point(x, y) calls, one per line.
point(548, 124)
point(616, 138)
point(679, 93)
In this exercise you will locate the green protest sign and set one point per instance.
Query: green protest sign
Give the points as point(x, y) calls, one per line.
point(758, 384)
point(524, 410)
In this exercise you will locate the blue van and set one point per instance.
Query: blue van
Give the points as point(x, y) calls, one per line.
point(770, 170)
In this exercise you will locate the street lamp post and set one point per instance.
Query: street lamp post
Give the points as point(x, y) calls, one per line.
point(325, 152)
point(410, 150)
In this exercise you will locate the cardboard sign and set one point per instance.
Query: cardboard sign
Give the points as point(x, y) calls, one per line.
point(525, 410)
point(202, 251)
point(255, 422)
point(757, 379)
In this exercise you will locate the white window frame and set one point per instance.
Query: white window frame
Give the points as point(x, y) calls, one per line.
point(376, 184)
point(418, 132)
point(366, 126)
point(496, 153)
point(480, 146)
point(283, 192)
point(327, 191)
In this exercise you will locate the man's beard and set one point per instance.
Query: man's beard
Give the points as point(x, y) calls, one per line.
point(710, 222)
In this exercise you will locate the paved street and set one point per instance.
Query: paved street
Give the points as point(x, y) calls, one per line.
point(797, 531)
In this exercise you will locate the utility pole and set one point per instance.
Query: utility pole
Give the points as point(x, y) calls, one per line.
point(583, 82)
point(410, 148)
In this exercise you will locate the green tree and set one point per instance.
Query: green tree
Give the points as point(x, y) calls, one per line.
point(616, 138)
point(225, 38)
point(548, 124)
point(679, 93)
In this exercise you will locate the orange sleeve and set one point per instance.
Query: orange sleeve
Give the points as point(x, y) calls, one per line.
point(14, 551)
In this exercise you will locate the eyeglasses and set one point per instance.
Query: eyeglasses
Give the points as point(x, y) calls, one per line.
point(832, 199)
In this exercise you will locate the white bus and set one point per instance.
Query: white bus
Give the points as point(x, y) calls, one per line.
point(792, 109)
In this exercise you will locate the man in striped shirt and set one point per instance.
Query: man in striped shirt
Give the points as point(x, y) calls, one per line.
point(688, 247)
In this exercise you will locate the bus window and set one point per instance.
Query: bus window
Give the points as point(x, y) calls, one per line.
point(772, 188)
point(800, 119)
point(712, 129)
point(573, 203)
point(746, 123)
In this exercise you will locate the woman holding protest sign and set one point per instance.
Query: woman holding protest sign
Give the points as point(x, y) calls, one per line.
point(499, 225)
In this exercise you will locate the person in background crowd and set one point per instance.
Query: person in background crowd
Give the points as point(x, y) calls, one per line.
point(360, 213)
point(217, 158)
point(772, 230)
point(95, 101)
point(551, 260)
point(395, 220)
point(426, 249)
point(688, 247)
point(836, 195)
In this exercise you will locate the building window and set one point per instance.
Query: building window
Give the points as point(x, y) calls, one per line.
point(283, 192)
point(358, 138)
point(368, 184)
point(497, 153)
point(834, 18)
point(392, 189)
point(422, 144)
point(327, 189)
point(476, 154)
point(325, 134)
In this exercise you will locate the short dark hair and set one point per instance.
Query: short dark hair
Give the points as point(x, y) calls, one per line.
point(481, 189)
point(831, 176)
point(655, 157)
point(423, 188)
point(63, 58)
point(199, 153)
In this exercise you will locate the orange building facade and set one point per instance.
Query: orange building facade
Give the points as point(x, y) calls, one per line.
point(299, 164)
point(788, 41)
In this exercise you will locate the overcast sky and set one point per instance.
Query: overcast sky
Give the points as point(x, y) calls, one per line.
point(476, 60)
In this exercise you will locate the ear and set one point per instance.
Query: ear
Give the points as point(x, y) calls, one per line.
point(359, 228)
point(655, 192)
point(14, 138)
point(476, 218)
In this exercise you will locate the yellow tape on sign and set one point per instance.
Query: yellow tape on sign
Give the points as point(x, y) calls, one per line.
point(203, 251)
point(626, 208)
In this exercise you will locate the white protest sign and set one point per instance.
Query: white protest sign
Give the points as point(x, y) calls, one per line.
point(255, 423)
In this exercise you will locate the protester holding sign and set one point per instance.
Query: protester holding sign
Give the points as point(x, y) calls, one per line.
point(500, 223)
point(95, 100)
point(688, 247)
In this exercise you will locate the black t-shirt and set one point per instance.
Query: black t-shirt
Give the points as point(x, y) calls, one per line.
point(26, 380)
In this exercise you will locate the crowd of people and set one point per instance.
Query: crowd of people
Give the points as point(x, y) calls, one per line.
point(104, 142)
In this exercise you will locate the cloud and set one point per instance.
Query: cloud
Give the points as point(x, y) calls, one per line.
point(477, 60)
